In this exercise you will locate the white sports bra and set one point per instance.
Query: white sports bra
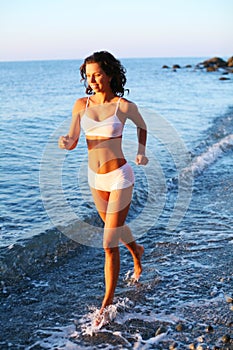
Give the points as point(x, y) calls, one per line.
point(109, 127)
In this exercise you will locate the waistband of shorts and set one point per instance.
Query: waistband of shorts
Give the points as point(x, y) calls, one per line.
point(126, 165)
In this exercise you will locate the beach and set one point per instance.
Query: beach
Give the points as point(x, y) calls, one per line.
point(183, 299)
point(52, 280)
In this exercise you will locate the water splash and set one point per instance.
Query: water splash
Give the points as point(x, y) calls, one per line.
point(94, 321)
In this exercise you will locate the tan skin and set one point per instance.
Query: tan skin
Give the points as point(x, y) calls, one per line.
point(104, 155)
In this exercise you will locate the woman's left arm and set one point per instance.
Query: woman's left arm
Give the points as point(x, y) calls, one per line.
point(138, 120)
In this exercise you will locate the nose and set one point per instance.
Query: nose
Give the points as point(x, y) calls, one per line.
point(92, 78)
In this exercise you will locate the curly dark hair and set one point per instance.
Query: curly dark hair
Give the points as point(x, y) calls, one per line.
point(111, 66)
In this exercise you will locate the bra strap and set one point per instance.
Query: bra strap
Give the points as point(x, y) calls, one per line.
point(117, 106)
point(87, 103)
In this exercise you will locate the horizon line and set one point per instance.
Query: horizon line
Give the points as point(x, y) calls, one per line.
point(121, 58)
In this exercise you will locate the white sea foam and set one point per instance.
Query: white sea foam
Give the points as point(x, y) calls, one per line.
point(130, 278)
point(57, 338)
point(211, 155)
point(94, 321)
point(146, 344)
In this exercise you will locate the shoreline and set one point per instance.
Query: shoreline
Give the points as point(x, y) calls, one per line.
point(55, 298)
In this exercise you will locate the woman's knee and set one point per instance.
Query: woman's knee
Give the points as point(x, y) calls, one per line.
point(111, 237)
point(111, 251)
point(109, 245)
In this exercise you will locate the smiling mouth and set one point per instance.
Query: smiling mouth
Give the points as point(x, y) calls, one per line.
point(94, 86)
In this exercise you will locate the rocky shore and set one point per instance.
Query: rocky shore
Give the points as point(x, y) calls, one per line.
point(213, 64)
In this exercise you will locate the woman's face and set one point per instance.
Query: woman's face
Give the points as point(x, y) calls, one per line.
point(97, 79)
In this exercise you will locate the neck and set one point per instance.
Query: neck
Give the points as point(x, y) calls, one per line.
point(102, 98)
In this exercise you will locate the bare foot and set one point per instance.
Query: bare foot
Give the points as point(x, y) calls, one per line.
point(137, 262)
point(98, 320)
point(105, 315)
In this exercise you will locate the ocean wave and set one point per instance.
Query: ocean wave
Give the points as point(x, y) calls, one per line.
point(26, 258)
point(211, 155)
point(42, 251)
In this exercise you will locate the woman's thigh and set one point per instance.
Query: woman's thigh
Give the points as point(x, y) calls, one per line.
point(118, 206)
point(101, 201)
point(113, 208)
point(115, 204)
point(116, 213)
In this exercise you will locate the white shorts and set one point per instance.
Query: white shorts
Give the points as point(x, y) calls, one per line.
point(117, 179)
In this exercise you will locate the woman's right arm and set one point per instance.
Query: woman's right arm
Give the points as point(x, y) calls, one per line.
point(70, 141)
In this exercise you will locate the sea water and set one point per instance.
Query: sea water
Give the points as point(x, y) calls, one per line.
point(181, 211)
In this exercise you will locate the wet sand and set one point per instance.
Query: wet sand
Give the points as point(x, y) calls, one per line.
point(191, 309)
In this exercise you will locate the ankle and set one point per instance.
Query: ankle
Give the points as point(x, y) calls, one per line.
point(106, 303)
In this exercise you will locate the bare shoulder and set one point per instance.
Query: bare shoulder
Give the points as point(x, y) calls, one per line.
point(130, 111)
point(79, 106)
point(128, 106)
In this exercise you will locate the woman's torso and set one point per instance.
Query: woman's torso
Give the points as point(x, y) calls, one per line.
point(103, 128)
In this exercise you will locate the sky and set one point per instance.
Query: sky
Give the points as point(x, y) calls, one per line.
point(73, 29)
